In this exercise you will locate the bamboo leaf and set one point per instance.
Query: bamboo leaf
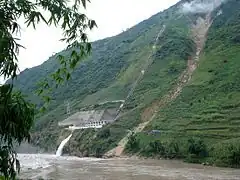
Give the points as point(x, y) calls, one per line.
point(84, 3)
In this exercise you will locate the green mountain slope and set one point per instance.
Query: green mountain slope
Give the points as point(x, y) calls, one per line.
point(207, 107)
point(107, 75)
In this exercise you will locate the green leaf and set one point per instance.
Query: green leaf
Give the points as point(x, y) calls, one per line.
point(47, 98)
point(43, 18)
point(88, 47)
point(39, 92)
point(18, 165)
point(43, 109)
point(68, 76)
point(84, 3)
point(92, 24)
point(15, 27)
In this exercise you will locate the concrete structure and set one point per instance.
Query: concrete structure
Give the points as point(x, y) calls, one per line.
point(89, 119)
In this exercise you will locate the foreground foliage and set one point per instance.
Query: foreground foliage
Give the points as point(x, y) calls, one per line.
point(17, 117)
point(16, 113)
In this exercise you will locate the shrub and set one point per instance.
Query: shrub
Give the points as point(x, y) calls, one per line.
point(175, 67)
point(173, 150)
point(133, 143)
point(157, 147)
point(227, 154)
point(105, 133)
point(197, 147)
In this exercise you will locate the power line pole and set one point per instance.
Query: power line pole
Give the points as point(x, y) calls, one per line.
point(67, 104)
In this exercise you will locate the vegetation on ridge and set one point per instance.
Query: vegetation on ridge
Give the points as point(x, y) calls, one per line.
point(208, 107)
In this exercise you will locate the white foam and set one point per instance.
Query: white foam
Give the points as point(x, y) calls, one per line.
point(61, 146)
point(33, 161)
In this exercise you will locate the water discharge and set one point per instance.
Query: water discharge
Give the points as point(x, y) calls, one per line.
point(61, 146)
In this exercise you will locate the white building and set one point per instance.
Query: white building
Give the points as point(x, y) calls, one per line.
point(89, 119)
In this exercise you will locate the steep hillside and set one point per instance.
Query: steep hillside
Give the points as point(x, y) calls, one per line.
point(189, 90)
point(111, 70)
point(198, 33)
point(202, 124)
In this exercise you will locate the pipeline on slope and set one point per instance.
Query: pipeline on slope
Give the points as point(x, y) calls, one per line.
point(199, 32)
point(146, 66)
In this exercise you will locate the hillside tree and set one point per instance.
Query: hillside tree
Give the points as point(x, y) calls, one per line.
point(17, 114)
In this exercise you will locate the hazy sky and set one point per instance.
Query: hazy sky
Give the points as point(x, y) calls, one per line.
point(112, 16)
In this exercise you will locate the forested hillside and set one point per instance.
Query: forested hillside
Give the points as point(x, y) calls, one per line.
point(193, 125)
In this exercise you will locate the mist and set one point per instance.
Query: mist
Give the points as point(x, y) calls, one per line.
point(198, 6)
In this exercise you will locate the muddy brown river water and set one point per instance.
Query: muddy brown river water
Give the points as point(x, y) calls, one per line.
point(35, 166)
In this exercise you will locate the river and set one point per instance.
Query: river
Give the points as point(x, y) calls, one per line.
point(35, 166)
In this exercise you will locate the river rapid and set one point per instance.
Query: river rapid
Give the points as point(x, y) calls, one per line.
point(35, 166)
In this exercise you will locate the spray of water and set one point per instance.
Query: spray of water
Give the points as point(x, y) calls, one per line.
point(61, 146)
point(201, 6)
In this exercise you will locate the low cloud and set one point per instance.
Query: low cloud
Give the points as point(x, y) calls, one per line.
point(201, 6)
